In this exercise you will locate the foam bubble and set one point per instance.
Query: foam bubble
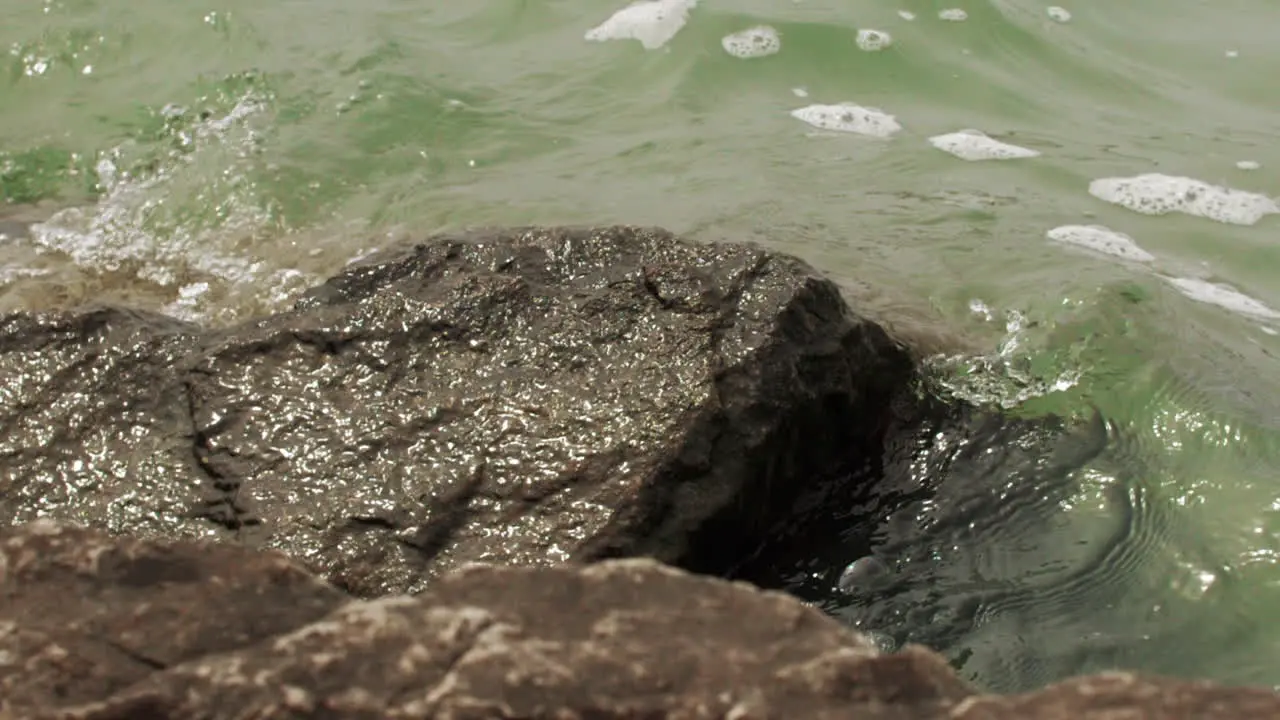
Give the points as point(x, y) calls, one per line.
point(752, 43)
point(1158, 194)
point(1058, 14)
point(953, 15)
point(1224, 296)
point(652, 22)
point(973, 145)
point(799, 92)
point(862, 574)
point(873, 40)
point(186, 305)
point(847, 117)
point(1101, 239)
point(980, 308)
point(1249, 165)
point(906, 15)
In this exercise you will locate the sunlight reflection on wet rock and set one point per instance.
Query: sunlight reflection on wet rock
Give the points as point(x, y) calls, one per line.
point(524, 396)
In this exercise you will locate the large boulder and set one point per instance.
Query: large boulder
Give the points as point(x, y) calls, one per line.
point(616, 640)
point(523, 396)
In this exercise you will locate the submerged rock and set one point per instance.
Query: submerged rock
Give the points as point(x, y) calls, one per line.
point(616, 640)
point(522, 396)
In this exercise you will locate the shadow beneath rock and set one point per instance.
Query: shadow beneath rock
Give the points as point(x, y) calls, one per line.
point(964, 516)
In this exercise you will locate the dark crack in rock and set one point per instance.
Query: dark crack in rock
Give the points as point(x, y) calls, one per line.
point(84, 614)
point(523, 396)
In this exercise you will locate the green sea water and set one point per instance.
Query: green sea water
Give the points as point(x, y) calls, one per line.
point(213, 160)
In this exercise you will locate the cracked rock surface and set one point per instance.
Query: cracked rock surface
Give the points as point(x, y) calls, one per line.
point(620, 639)
point(518, 396)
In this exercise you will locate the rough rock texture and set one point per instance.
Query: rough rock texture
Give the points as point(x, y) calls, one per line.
point(614, 640)
point(520, 396)
point(83, 614)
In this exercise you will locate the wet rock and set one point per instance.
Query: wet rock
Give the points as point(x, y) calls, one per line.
point(613, 640)
point(83, 614)
point(619, 639)
point(522, 396)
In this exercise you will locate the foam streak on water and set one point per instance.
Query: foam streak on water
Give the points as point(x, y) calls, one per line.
point(1159, 194)
point(756, 42)
point(1102, 240)
point(873, 40)
point(1223, 296)
point(652, 22)
point(850, 118)
point(975, 145)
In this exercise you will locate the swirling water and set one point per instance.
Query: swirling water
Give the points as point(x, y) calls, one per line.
point(1085, 194)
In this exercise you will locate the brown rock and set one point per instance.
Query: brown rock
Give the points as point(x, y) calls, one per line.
point(83, 615)
point(621, 639)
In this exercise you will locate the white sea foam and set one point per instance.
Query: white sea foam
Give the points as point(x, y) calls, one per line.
point(1101, 239)
point(1058, 14)
point(753, 42)
point(873, 40)
point(953, 15)
point(975, 145)
point(800, 92)
point(185, 307)
point(847, 117)
point(652, 22)
point(980, 308)
point(1157, 194)
point(12, 273)
point(906, 15)
point(1224, 296)
point(1249, 165)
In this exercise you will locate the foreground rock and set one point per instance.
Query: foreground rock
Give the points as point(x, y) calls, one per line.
point(521, 396)
point(618, 639)
point(83, 615)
